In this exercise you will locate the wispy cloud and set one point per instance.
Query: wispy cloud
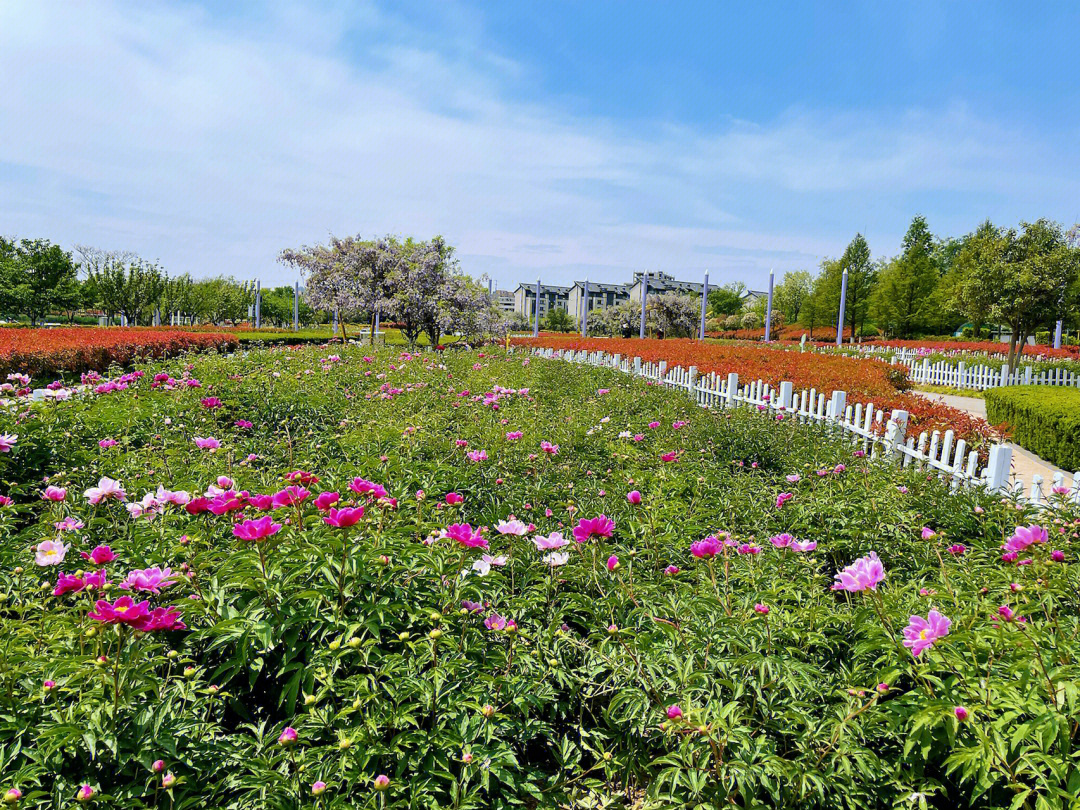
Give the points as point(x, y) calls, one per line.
point(212, 142)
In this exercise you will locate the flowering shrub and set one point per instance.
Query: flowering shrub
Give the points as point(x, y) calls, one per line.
point(72, 350)
point(337, 609)
point(865, 380)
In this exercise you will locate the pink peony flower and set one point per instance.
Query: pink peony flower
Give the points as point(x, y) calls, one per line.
point(290, 496)
point(369, 488)
point(920, 634)
point(209, 443)
point(928, 533)
point(512, 527)
point(325, 500)
point(54, 494)
point(671, 570)
point(763, 609)
point(549, 448)
point(612, 563)
point(674, 712)
point(150, 580)
point(961, 713)
point(288, 736)
point(1025, 536)
point(106, 488)
point(865, 573)
point(50, 552)
point(256, 530)
point(551, 542)
point(633, 496)
point(7, 442)
point(453, 498)
point(783, 498)
point(99, 556)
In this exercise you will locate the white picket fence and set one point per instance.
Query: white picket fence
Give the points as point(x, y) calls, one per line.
point(956, 373)
point(877, 433)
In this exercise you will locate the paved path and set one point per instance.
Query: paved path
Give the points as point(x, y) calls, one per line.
point(1025, 464)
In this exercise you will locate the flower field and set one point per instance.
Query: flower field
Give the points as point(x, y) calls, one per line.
point(73, 350)
point(865, 380)
point(296, 579)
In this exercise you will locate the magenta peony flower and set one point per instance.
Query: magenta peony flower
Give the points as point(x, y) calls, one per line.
point(709, 547)
point(84, 794)
point(928, 533)
point(288, 736)
point(865, 573)
point(961, 713)
point(290, 496)
point(674, 712)
point(343, 518)
point(123, 611)
point(369, 488)
point(463, 534)
point(210, 403)
point(325, 500)
point(549, 448)
point(634, 497)
point(453, 498)
point(209, 443)
point(612, 563)
point(672, 570)
point(301, 477)
point(601, 526)
point(318, 788)
point(761, 608)
point(783, 498)
point(54, 494)
point(495, 622)
point(256, 529)
point(920, 634)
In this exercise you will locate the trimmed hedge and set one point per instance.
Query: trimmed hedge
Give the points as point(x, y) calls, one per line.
point(1044, 419)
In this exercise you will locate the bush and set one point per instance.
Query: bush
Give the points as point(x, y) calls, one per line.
point(1044, 419)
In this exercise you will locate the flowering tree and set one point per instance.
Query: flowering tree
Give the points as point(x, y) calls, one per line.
point(348, 276)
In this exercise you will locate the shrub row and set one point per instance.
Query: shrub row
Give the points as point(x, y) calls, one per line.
point(1044, 419)
point(51, 352)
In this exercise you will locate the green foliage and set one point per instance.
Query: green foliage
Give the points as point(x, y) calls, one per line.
point(393, 676)
point(726, 300)
point(905, 300)
point(36, 277)
point(558, 320)
point(1044, 419)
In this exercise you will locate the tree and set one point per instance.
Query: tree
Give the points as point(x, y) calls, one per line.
point(790, 294)
point(36, 277)
point(726, 300)
point(672, 314)
point(975, 276)
point(904, 300)
point(1038, 269)
point(559, 320)
point(862, 275)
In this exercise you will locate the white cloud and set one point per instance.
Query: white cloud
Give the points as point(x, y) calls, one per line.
point(212, 144)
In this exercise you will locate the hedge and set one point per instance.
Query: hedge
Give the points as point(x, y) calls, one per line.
point(1044, 419)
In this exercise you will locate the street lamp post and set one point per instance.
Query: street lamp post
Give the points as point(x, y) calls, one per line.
point(644, 295)
point(536, 313)
point(843, 300)
point(585, 310)
point(768, 309)
point(704, 305)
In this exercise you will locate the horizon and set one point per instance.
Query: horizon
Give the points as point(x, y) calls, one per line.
point(557, 140)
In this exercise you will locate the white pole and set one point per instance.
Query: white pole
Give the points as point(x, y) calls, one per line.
point(536, 313)
point(296, 306)
point(1057, 335)
point(768, 308)
point(843, 301)
point(644, 295)
point(378, 314)
point(704, 305)
point(258, 304)
point(335, 321)
point(585, 310)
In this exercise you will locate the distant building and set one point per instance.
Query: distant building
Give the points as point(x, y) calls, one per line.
point(552, 296)
point(601, 296)
point(504, 300)
point(662, 283)
point(750, 297)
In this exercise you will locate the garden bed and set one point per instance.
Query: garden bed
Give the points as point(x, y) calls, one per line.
point(690, 648)
point(43, 353)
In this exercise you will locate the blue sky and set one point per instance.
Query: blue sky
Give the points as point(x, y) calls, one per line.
point(559, 139)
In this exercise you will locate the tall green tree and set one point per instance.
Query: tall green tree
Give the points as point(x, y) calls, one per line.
point(36, 278)
point(862, 276)
point(975, 277)
point(1039, 269)
point(791, 294)
point(904, 300)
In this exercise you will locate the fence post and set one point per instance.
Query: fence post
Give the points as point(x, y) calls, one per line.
point(895, 432)
point(637, 366)
point(732, 388)
point(960, 368)
point(786, 393)
point(692, 382)
point(839, 402)
point(997, 470)
point(662, 370)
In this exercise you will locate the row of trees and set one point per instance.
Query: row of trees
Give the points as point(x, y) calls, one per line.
point(39, 280)
point(1023, 278)
point(416, 284)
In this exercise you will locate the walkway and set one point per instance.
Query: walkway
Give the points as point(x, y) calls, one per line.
point(1025, 464)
